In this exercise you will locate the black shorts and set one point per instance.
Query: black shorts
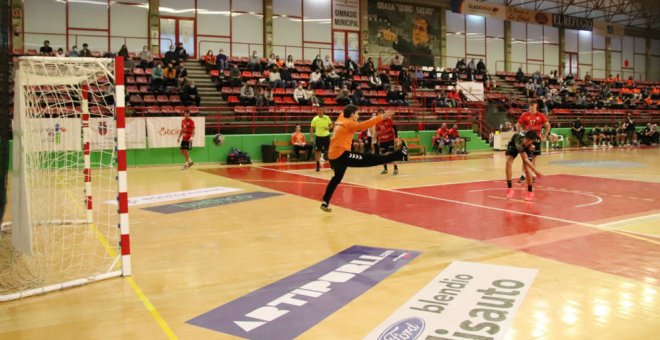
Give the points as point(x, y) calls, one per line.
point(537, 148)
point(186, 145)
point(322, 143)
point(513, 152)
point(386, 147)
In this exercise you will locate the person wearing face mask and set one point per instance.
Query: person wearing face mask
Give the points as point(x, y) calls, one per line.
point(317, 64)
point(170, 57)
point(190, 94)
point(328, 64)
point(85, 52)
point(74, 52)
point(146, 59)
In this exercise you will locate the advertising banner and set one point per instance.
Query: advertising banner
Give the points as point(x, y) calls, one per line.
point(484, 9)
point(103, 133)
point(528, 16)
point(409, 30)
point(574, 23)
point(55, 134)
point(465, 301)
point(162, 132)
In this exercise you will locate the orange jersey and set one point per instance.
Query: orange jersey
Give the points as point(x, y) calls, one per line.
point(342, 136)
point(297, 138)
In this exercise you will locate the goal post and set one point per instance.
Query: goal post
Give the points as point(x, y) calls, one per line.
point(69, 158)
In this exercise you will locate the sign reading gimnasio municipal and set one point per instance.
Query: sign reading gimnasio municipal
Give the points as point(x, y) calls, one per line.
point(465, 301)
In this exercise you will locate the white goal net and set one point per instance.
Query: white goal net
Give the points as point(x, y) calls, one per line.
point(67, 145)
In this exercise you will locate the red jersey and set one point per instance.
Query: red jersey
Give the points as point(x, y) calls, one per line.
point(187, 128)
point(453, 133)
point(442, 133)
point(532, 121)
point(364, 135)
point(385, 131)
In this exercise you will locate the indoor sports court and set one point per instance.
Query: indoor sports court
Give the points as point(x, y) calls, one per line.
point(145, 208)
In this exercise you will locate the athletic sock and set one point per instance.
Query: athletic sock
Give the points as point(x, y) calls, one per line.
point(395, 167)
point(508, 184)
point(385, 167)
point(529, 188)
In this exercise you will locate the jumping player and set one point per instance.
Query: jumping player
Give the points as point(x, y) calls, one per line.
point(535, 121)
point(386, 133)
point(340, 153)
point(186, 136)
point(523, 144)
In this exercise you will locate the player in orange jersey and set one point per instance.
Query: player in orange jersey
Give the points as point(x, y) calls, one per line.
point(340, 154)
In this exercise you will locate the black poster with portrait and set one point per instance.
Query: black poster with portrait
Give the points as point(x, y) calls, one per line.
point(412, 31)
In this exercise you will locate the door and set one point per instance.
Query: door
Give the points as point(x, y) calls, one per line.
point(175, 30)
point(571, 64)
point(344, 44)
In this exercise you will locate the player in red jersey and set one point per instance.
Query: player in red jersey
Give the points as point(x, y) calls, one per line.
point(533, 120)
point(186, 138)
point(386, 133)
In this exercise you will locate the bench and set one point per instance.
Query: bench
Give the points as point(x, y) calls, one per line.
point(415, 146)
point(284, 149)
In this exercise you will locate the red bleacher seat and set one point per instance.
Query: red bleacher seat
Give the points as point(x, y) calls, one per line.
point(96, 54)
point(130, 80)
point(167, 109)
point(226, 90)
point(278, 100)
point(304, 76)
point(215, 73)
point(162, 99)
point(141, 80)
point(289, 101)
point(279, 90)
point(193, 109)
point(174, 99)
point(295, 76)
point(289, 91)
point(132, 89)
point(31, 52)
point(135, 99)
point(153, 110)
point(233, 100)
point(137, 71)
point(256, 74)
point(149, 99)
point(329, 101)
point(148, 71)
point(145, 89)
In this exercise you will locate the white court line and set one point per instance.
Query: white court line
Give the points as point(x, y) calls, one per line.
point(585, 224)
point(508, 199)
point(598, 198)
point(630, 219)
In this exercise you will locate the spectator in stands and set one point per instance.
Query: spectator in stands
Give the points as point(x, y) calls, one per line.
point(317, 64)
point(169, 75)
point(316, 79)
point(461, 65)
point(569, 79)
point(587, 78)
point(358, 97)
point(397, 63)
point(530, 89)
point(630, 82)
point(268, 97)
point(271, 62)
point(259, 98)
point(384, 79)
point(343, 96)
point(235, 76)
point(74, 52)
point(472, 66)
point(300, 95)
point(454, 98)
point(254, 62)
point(181, 54)
point(481, 67)
point(60, 52)
point(221, 60)
point(146, 59)
point(209, 60)
point(351, 66)
point(287, 79)
point(299, 144)
point(537, 78)
point(368, 68)
point(577, 130)
point(170, 56)
point(46, 50)
point(333, 79)
point(520, 75)
point(157, 78)
point(374, 82)
point(311, 96)
point(190, 94)
point(441, 99)
point(329, 65)
point(506, 127)
point(404, 80)
point(290, 64)
point(396, 96)
point(128, 61)
point(418, 76)
point(182, 74)
point(247, 95)
point(275, 78)
point(85, 52)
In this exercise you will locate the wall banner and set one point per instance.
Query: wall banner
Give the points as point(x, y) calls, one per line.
point(346, 15)
point(484, 9)
point(608, 29)
point(103, 133)
point(574, 23)
point(162, 132)
point(528, 16)
point(409, 30)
